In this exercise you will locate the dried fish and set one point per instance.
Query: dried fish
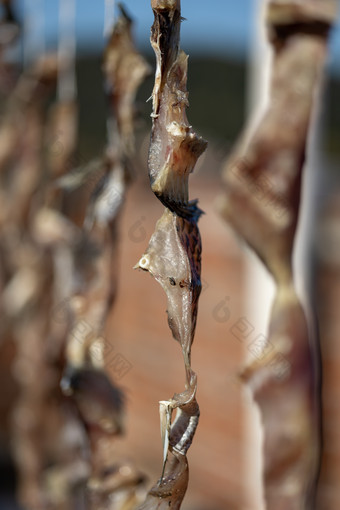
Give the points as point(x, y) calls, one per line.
point(262, 203)
point(173, 256)
point(327, 241)
point(94, 277)
point(27, 290)
point(64, 265)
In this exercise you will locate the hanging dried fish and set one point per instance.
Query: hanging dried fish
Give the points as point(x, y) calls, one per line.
point(8, 134)
point(47, 441)
point(60, 260)
point(28, 275)
point(173, 256)
point(66, 460)
point(262, 203)
point(21, 134)
point(327, 242)
point(95, 253)
point(99, 402)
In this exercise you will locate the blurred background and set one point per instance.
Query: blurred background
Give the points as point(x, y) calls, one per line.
point(220, 37)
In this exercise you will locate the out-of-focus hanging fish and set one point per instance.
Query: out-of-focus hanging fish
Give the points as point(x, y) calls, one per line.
point(94, 277)
point(262, 203)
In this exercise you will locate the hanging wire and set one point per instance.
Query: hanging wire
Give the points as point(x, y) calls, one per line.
point(10, 33)
point(109, 17)
point(67, 50)
point(34, 31)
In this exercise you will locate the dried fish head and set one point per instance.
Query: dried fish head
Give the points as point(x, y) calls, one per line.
point(100, 402)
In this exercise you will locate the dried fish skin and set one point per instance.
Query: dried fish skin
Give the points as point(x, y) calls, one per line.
point(185, 424)
point(27, 277)
point(171, 490)
point(98, 400)
point(263, 176)
point(95, 273)
point(174, 146)
point(262, 203)
point(291, 451)
point(125, 69)
point(173, 256)
point(173, 259)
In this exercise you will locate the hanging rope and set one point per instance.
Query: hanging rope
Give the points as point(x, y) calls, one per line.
point(109, 17)
point(34, 31)
point(67, 51)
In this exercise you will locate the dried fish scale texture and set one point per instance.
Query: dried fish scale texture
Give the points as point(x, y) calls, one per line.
point(174, 147)
point(169, 493)
point(262, 203)
point(173, 256)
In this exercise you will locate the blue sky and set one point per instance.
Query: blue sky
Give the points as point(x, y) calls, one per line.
point(214, 26)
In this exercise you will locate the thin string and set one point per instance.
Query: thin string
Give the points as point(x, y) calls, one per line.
point(66, 87)
point(109, 17)
point(34, 31)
